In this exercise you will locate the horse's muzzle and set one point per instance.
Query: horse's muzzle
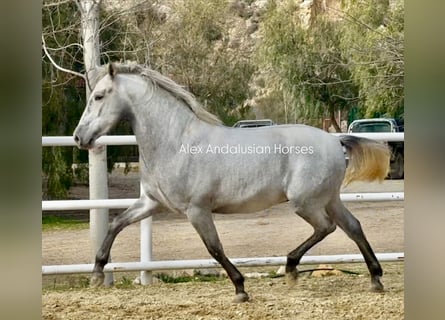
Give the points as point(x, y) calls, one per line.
point(81, 141)
point(82, 144)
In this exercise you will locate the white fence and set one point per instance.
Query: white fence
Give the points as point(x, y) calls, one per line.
point(146, 265)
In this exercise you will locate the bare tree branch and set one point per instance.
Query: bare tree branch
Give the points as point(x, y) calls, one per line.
point(55, 4)
point(56, 65)
point(61, 48)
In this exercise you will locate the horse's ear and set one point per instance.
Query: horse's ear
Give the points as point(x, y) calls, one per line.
point(111, 70)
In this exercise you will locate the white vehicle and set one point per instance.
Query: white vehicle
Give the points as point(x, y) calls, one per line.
point(254, 123)
point(396, 147)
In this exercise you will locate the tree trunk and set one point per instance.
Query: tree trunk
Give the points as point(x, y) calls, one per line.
point(98, 178)
point(90, 35)
point(333, 120)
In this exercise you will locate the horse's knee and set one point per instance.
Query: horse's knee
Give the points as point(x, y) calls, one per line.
point(117, 225)
point(328, 228)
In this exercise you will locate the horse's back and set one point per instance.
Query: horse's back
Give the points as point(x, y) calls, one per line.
point(315, 161)
point(295, 161)
point(308, 146)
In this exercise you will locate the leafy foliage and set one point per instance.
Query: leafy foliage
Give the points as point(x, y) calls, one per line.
point(193, 48)
point(373, 43)
point(62, 97)
point(308, 63)
point(335, 64)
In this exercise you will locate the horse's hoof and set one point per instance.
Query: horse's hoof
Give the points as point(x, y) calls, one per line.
point(376, 285)
point(97, 279)
point(292, 278)
point(241, 297)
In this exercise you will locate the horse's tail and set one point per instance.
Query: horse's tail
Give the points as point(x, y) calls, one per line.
point(368, 159)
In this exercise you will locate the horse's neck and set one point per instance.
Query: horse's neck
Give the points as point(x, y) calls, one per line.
point(159, 123)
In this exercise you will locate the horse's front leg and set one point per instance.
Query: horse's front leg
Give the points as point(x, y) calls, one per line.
point(143, 208)
point(202, 221)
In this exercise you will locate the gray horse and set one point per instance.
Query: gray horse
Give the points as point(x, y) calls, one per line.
point(192, 164)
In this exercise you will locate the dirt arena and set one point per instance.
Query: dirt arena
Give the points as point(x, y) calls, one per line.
point(272, 232)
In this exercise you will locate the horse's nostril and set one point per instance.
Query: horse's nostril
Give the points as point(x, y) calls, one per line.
point(76, 139)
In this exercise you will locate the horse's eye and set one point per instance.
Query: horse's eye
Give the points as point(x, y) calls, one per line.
point(98, 97)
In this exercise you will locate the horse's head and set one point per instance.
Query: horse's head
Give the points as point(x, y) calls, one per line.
point(104, 109)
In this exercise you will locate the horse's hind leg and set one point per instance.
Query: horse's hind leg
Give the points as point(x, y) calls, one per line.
point(143, 208)
point(322, 224)
point(202, 221)
point(351, 226)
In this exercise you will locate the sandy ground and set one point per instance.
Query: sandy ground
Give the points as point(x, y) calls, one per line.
point(272, 232)
point(335, 297)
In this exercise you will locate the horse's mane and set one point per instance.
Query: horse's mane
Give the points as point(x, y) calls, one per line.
point(165, 83)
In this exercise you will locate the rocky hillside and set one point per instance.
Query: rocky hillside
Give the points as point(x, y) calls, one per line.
point(246, 18)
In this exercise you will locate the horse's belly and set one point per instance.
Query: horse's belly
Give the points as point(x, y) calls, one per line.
point(251, 205)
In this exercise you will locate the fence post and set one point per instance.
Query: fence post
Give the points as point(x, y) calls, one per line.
point(146, 244)
point(98, 187)
point(146, 249)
